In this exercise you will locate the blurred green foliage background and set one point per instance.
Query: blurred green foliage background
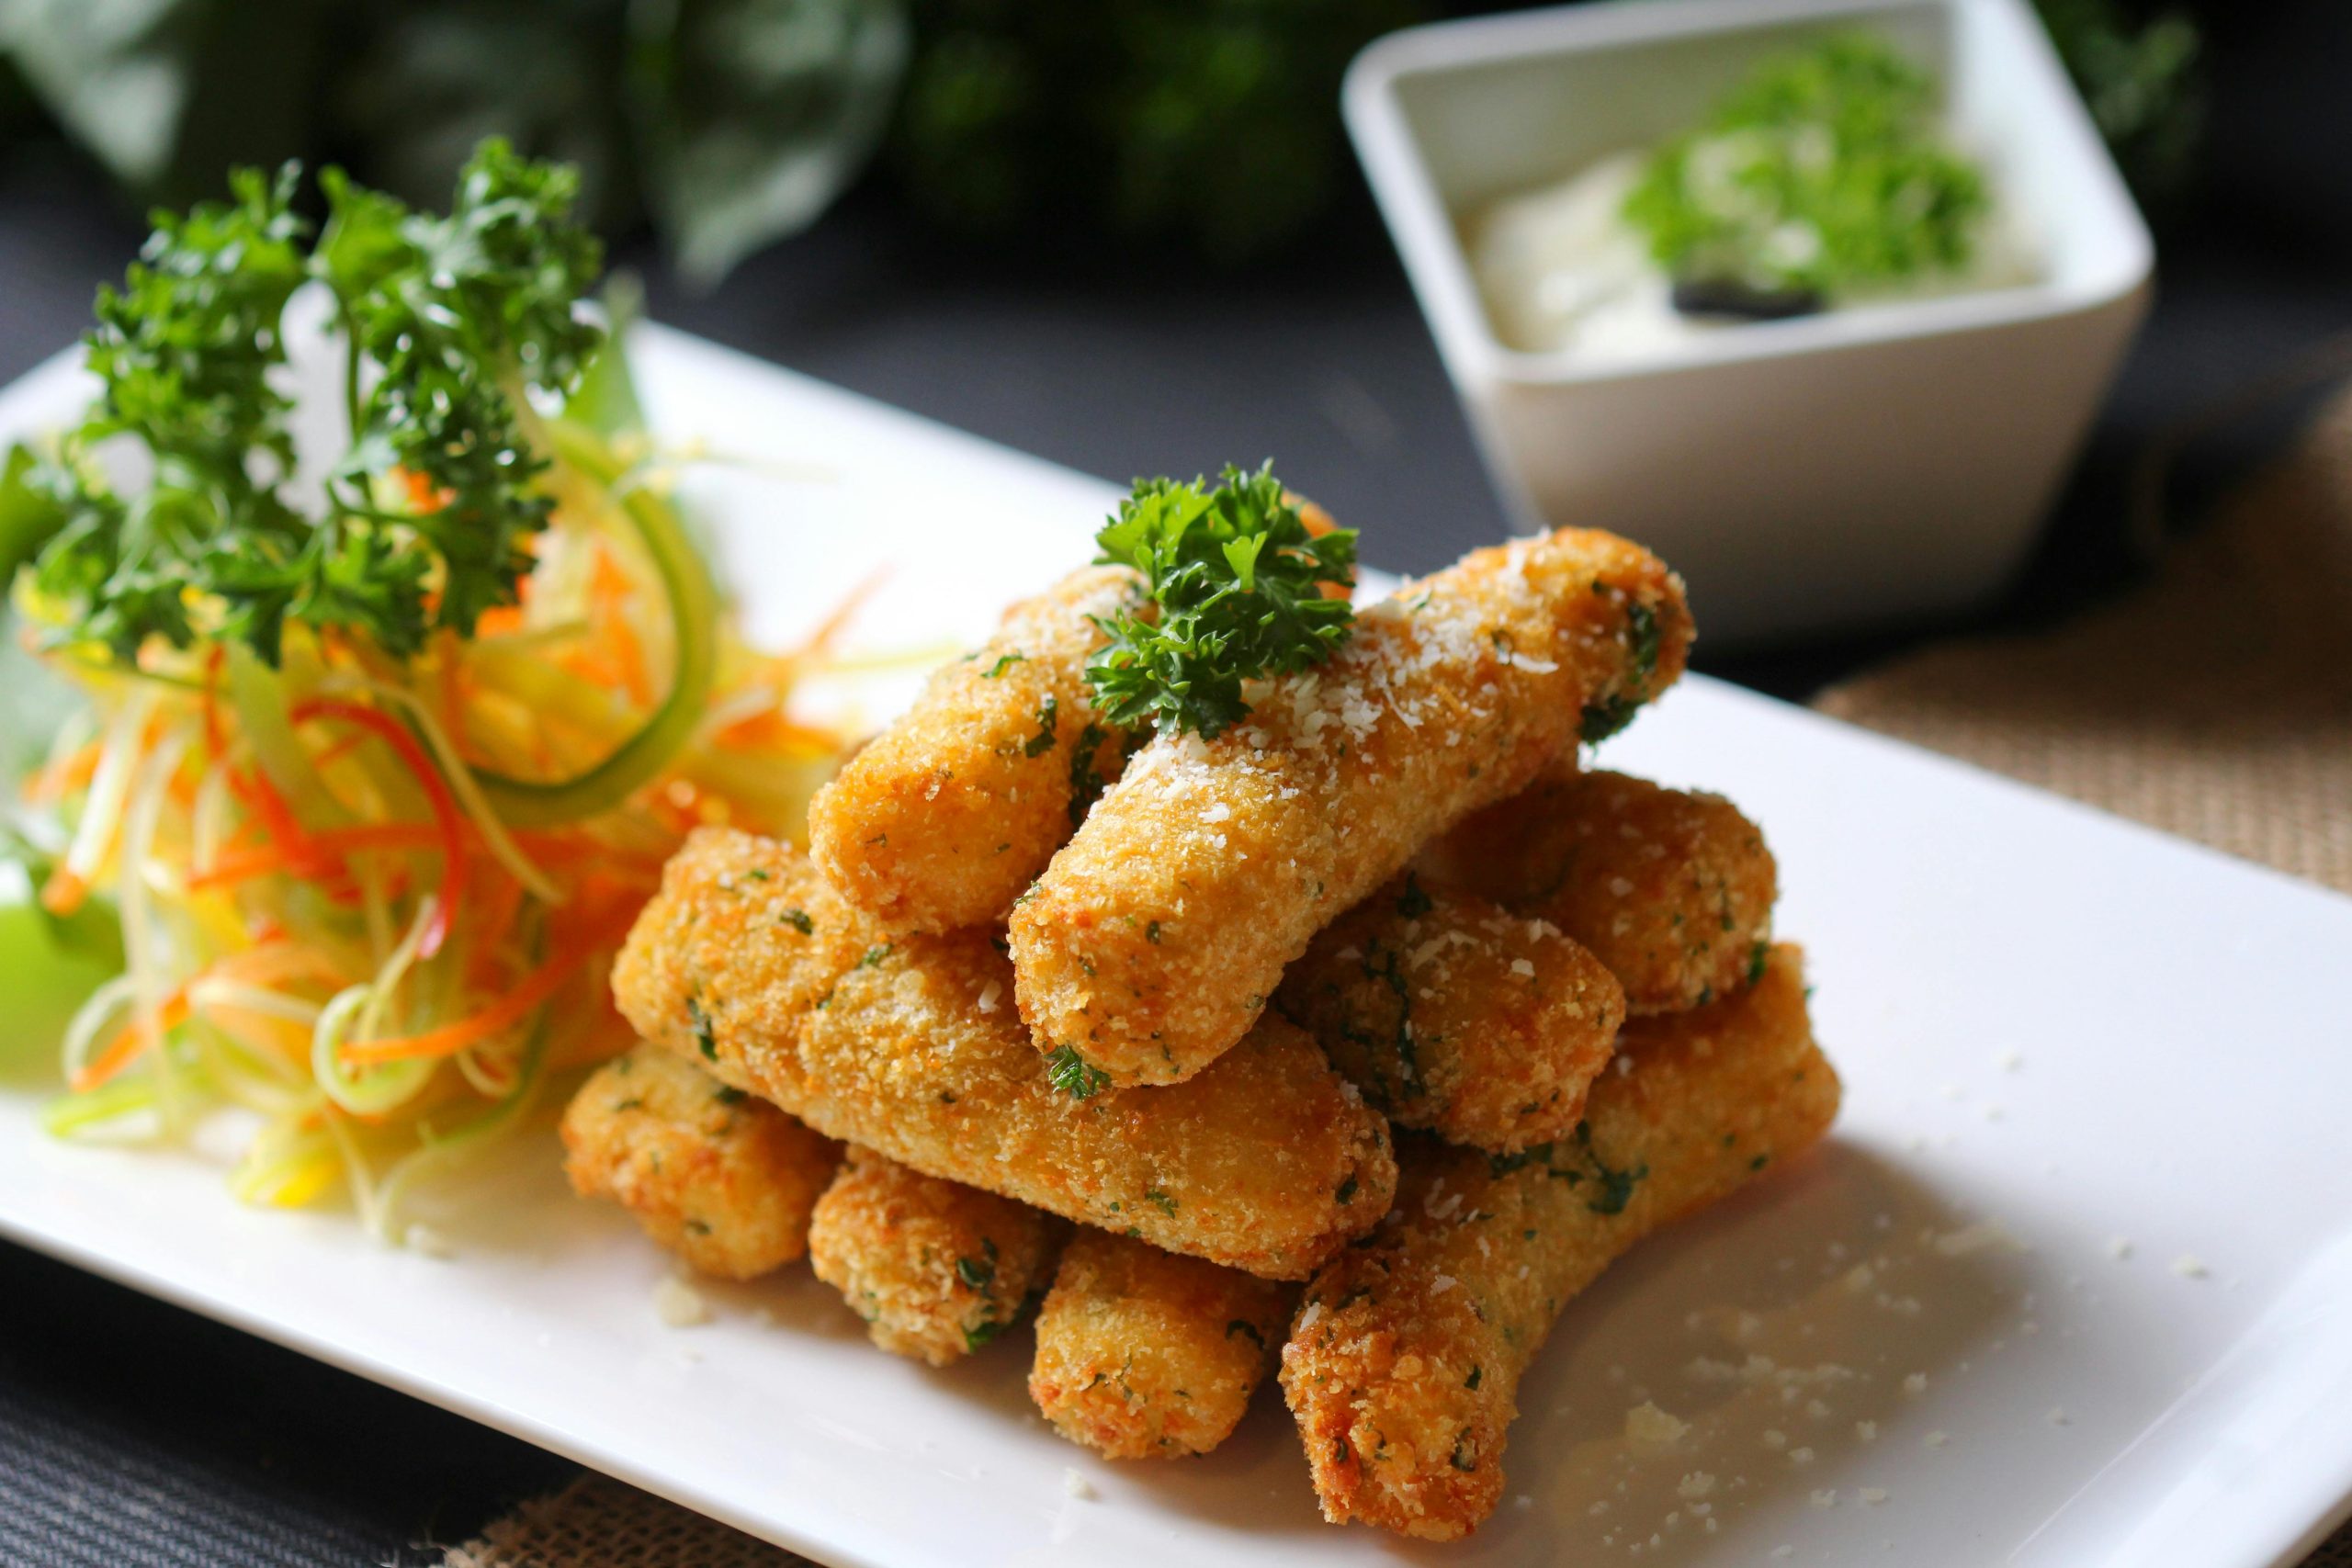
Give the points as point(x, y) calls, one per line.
point(1203, 130)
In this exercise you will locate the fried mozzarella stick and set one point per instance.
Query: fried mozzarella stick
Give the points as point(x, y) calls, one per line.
point(936, 1267)
point(1453, 1015)
point(724, 1180)
point(1159, 931)
point(1673, 889)
point(748, 963)
point(1141, 1353)
point(1403, 1368)
point(948, 814)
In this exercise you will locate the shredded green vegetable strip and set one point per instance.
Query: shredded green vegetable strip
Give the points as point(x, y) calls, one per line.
point(375, 786)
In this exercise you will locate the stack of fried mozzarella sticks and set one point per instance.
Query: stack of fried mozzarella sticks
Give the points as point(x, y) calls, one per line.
point(1353, 1041)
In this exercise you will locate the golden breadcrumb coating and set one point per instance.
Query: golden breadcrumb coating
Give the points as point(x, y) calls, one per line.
point(1143, 1354)
point(748, 962)
point(948, 814)
point(1404, 1364)
point(1158, 932)
point(1453, 1015)
point(724, 1180)
point(936, 1267)
point(1671, 889)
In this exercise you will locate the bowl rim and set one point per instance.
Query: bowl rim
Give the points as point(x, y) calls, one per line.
point(1427, 240)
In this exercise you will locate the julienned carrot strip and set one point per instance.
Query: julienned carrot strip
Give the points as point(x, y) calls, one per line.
point(240, 864)
point(508, 1010)
point(338, 751)
point(446, 814)
point(610, 585)
point(770, 731)
point(131, 1040)
point(261, 797)
point(494, 919)
point(63, 776)
point(64, 892)
point(269, 960)
point(837, 620)
point(216, 737)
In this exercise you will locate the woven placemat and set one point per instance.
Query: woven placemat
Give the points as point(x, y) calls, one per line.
point(2215, 702)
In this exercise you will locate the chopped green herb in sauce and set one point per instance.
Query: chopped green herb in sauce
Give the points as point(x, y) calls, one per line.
point(1824, 171)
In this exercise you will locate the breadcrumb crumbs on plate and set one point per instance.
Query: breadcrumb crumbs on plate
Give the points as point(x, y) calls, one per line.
point(1937, 1439)
point(1981, 1236)
point(679, 1304)
point(1915, 1383)
point(2188, 1266)
point(1648, 1425)
point(1078, 1486)
point(1873, 1496)
point(426, 1242)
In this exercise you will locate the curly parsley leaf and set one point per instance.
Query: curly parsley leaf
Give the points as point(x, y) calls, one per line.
point(1235, 579)
point(1073, 1073)
point(426, 520)
point(183, 352)
point(459, 313)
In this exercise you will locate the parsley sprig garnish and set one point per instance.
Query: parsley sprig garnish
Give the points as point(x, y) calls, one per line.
point(425, 522)
point(1237, 581)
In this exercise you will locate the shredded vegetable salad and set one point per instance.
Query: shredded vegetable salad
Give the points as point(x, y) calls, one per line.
point(373, 782)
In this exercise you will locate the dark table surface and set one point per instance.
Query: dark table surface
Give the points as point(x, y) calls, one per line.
point(133, 1433)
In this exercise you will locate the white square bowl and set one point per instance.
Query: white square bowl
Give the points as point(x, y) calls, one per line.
point(1864, 465)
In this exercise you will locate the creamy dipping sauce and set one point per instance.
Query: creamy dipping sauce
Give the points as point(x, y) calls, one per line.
point(1560, 269)
point(1826, 180)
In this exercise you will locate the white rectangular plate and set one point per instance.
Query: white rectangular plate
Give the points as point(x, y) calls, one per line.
point(2071, 1284)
